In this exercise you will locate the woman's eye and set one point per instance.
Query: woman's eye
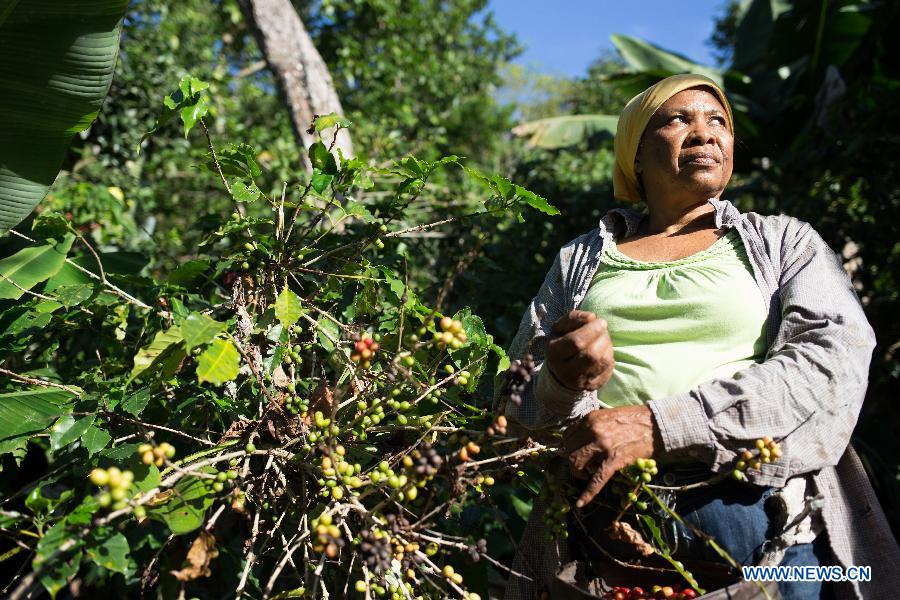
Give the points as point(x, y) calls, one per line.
point(676, 118)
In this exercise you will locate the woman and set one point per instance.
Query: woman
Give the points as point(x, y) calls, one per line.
point(690, 330)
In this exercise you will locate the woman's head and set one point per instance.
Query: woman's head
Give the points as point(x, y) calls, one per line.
point(675, 141)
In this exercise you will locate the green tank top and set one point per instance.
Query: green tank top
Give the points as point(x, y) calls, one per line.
point(677, 324)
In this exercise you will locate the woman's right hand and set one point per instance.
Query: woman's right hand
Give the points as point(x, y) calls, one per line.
point(580, 352)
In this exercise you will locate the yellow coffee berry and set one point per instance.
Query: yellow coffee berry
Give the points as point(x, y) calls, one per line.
point(99, 477)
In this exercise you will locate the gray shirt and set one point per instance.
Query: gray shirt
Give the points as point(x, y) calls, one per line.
point(808, 391)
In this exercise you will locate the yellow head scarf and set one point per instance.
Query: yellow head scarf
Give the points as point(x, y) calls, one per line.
point(634, 119)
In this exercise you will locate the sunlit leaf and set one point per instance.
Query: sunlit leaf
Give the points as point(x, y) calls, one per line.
point(111, 554)
point(219, 363)
point(328, 121)
point(32, 265)
point(644, 56)
point(95, 439)
point(328, 333)
point(242, 192)
point(193, 112)
point(288, 307)
point(567, 130)
point(67, 429)
point(535, 201)
point(156, 351)
point(73, 295)
point(186, 508)
point(199, 329)
point(321, 181)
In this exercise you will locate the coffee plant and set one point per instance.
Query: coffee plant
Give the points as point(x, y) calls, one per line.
point(281, 415)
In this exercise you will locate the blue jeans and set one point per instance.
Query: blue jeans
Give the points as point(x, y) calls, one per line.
point(734, 514)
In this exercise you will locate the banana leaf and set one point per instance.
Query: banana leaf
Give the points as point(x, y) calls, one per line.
point(56, 64)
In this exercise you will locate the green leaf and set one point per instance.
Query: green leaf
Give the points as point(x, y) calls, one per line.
point(322, 159)
point(59, 572)
point(32, 265)
point(136, 403)
point(242, 192)
point(219, 363)
point(365, 301)
point(535, 201)
point(95, 439)
point(328, 121)
point(522, 507)
point(73, 295)
point(503, 359)
point(359, 211)
point(56, 64)
point(111, 554)
point(397, 289)
point(567, 130)
point(18, 321)
point(30, 411)
point(84, 512)
point(327, 332)
point(240, 159)
point(277, 351)
point(656, 534)
point(287, 307)
point(411, 167)
point(67, 430)
point(52, 539)
point(321, 181)
point(503, 186)
point(50, 225)
point(60, 567)
point(644, 56)
point(191, 85)
point(156, 351)
point(185, 273)
point(193, 112)
point(121, 452)
point(146, 477)
point(199, 329)
point(185, 511)
point(187, 102)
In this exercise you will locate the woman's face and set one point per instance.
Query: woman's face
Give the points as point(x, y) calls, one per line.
point(687, 149)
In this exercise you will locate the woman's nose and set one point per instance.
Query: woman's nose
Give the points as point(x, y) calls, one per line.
point(700, 135)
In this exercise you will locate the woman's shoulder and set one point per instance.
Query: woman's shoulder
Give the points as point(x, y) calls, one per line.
point(577, 252)
point(785, 230)
point(786, 239)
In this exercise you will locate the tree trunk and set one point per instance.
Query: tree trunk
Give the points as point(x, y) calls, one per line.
point(303, 78)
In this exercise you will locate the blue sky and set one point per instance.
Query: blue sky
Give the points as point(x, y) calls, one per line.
point(563, 36)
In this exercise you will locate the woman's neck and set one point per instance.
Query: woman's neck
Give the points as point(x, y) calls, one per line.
point(664, 218)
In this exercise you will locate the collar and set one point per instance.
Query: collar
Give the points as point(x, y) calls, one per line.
point(623, 222)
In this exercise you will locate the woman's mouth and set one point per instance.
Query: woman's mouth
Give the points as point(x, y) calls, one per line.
point(700, 160)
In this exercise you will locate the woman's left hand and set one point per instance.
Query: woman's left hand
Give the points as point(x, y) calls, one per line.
point(607, 440)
